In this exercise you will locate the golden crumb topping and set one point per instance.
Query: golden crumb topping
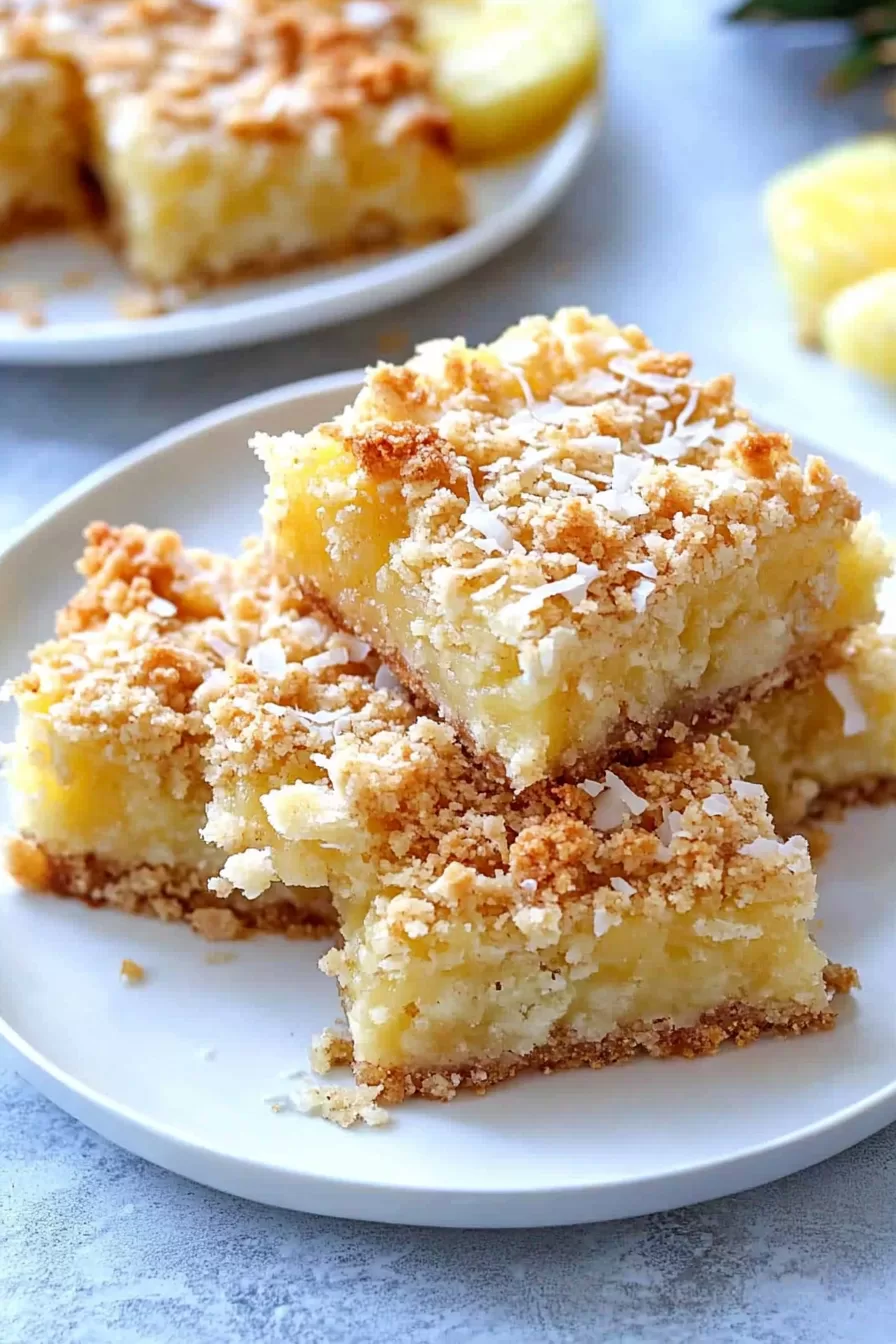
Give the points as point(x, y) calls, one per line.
point(140, 644)
point(349, 765)
point(568, 472)
point(258, 69)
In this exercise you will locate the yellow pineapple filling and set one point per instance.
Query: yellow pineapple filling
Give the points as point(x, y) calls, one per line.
point(76, 799)
point(832, 736)
point(476, 991)
point(209, 207)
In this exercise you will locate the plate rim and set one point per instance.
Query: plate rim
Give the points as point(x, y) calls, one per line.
point(533, 1205)
point(393, 279)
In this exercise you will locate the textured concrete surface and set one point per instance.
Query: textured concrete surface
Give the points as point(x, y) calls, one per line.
point(100, 1248)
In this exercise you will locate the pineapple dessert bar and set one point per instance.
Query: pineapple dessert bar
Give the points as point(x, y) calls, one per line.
point(650, 908)
point(247, 137)
point(831, 739)
point(106, 771)
point(563, 542)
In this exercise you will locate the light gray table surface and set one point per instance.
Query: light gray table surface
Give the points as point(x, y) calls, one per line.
point(663, 228)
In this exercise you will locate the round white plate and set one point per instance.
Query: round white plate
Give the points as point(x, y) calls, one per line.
point(541, 1150)
point(83, 326)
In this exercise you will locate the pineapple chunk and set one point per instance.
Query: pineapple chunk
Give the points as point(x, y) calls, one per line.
point(860, 326)
point(510, 70)
point(832, 221)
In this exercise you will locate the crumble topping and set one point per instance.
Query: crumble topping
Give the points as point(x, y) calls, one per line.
point(396, 792)
point(329, 1050)
point(131, 972)
point(342, 1105)
point(266, 70)
point(586, 464)
point(855, 720)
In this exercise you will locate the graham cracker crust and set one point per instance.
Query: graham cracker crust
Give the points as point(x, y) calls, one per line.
point(24, 221)
point(871, 790)
point(740, 1023)
point(172, 893)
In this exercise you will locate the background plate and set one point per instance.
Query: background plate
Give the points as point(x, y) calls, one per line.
point(567, 1148)
point(83, 327)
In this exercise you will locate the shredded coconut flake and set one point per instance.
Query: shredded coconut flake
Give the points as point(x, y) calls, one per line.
point(574, 587)
point(855, 720)
point(334, 657)
point(595, 383)
point(640, 593)
point(483, 594)
point(767, 847)
point(604, 920)
point(624, 888)
point(716, 805)
point(268, 658)
point(745, 788)
point(357, 649)
point(160, 606)
point(621, 500)
point(667, 830)
point(592, 787)
point(645, 567)
point(480, 518)
point(657, 382)
point(366, 14)
point(577, 484)
point(385, 679)
point(621, 789)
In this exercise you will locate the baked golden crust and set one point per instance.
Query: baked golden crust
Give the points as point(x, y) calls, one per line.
point(170, 893)
point(740, 1024)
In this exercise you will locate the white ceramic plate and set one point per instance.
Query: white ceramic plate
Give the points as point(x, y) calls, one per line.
point(83, 326)
point(567, 1148)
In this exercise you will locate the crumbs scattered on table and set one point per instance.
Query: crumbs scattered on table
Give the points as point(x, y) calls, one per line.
point(77, 280)
point(217, 956)
point(329, 1050)
point(343, 1106)
point(136, 304)
point(26, 302)
point(131, 972)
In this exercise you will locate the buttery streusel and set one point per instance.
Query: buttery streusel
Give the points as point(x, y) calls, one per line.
point(106, 770)
point(563, 541)
point(246, 137)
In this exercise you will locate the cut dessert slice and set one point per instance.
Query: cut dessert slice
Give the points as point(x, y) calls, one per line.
point(831, 739)
point(106, 770)
point(485, 932)
point(249, 137)
point(562, 541)
point(42, 141)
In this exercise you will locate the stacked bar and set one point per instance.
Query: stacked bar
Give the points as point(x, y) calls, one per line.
point(524, 613)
